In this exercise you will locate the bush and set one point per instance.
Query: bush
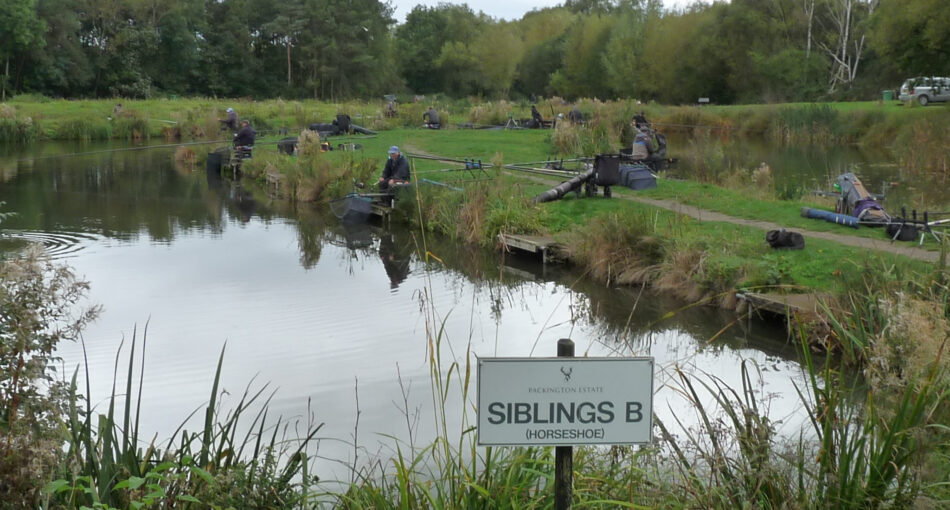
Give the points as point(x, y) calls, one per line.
point(37, 311)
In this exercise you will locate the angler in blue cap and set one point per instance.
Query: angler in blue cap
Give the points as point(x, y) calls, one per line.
point(396, 171)
point(229, 122)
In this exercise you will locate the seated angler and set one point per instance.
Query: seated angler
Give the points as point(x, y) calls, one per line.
point(245, 137)
point(575, 116)
point(396, 171)
point(642, 145)
point(342, 123)
point(432, 118)
point(536, 117)
point(640, 121)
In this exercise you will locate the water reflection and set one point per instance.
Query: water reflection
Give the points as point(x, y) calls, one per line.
point(395, 257)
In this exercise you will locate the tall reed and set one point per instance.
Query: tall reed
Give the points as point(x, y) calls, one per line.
point(20, 130)
point(237, 459)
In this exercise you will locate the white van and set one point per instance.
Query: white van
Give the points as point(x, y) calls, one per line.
point(925, 89)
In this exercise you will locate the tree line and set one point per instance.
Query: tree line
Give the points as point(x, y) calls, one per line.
point(741, 51)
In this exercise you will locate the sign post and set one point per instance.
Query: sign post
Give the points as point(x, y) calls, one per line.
point(564, 455)
point(564, 402)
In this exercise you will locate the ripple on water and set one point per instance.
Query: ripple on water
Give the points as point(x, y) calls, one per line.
point(58, 245)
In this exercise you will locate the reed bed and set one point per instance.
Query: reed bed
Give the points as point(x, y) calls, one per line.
point(312, 176)
point(474, 216)
point(619, 250)
point(15, 128)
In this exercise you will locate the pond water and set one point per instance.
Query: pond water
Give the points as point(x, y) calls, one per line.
point(323, 313)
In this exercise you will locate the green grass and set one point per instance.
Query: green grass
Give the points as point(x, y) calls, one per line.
point(195, 118)
point(734, 246)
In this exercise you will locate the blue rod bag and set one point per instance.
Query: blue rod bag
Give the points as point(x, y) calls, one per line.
point(832, 217)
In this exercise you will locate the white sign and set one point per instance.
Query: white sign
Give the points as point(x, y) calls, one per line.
point(564, 401)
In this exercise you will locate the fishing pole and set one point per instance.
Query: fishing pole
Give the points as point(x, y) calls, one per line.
point(120, 149)
point(170, 145)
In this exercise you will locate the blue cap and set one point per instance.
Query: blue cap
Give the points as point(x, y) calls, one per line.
point(393, 149)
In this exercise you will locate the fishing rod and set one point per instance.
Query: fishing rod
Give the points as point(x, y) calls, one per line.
point(120, 149)
point(264, 138)
point(542, 171)
point(441, 158)
point(140, 148)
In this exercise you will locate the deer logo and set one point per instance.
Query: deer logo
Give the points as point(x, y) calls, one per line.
point(567, 373)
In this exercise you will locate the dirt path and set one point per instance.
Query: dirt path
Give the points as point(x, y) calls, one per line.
point(906, 249)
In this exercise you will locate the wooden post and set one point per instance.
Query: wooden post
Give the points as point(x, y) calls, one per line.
point(564, 455)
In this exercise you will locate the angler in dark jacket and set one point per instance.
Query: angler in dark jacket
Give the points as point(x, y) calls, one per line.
point(536, 116)
point(244, 137)
point(575, 116)
point(396, 171)
point(640, 121)
point(432, 118)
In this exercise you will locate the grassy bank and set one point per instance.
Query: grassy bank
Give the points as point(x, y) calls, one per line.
point(28, 118)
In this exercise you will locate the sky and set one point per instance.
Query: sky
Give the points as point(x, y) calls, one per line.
point(505, 9)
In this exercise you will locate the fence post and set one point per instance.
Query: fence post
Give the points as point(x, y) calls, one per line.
point(563, 455)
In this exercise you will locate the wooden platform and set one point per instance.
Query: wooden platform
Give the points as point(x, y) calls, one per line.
point(801, 306)
point(530, 244)
point(382, 210)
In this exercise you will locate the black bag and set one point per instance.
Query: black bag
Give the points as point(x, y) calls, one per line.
point(608, 170)
point(343, 122)
point(901, 231)
point(785, 239)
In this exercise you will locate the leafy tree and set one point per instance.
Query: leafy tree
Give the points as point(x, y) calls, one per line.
point(914, 35)
point(540, 27)
point(20, 30)
point(419, 42)
point(537, 66)
point(286, 28)
point(681, 63)
point(60, 67)
point(623, 55)
point(590, 6)
point(457, 64)
point(498, 53)
point(790, 75)
point(582, 73)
